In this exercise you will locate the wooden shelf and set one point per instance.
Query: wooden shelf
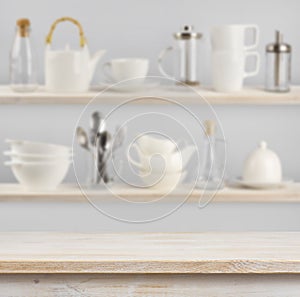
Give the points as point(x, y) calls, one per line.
point(255, 96)
point(72, 193)
point(150, 253)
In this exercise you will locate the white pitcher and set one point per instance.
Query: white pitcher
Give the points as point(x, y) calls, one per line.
point(69, 70)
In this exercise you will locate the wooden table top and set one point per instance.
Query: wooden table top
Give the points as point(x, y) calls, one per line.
point(150, 253)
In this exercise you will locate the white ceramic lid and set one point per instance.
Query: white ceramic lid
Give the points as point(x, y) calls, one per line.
point(262, 166)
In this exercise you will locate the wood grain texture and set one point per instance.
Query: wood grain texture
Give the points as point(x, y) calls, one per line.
point(150, 253)
point(149, 285)
point(72, 193)
point(255, 96)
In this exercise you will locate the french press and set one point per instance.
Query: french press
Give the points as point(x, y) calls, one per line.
point(187, 47)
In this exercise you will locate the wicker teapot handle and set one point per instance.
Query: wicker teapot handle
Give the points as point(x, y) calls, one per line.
point(82, 40)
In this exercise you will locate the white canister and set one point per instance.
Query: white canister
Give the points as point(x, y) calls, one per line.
point(262, 166)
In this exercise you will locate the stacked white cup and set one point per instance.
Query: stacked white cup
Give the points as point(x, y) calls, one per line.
point(229, 55)
point(161, 162)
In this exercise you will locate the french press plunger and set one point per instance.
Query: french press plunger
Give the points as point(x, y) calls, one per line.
point(187, 41)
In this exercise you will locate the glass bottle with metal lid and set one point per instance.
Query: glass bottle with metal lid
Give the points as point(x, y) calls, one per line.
point(187, 41)
point(278, 65)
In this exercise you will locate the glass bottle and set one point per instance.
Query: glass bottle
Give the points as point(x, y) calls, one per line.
point(278, 67)
point(213, 159)
point(23, 74)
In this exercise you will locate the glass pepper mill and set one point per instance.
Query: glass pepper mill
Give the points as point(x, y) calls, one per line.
point(278, 67)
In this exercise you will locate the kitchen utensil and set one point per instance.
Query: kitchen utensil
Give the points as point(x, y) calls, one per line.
point(82, 138)
point(126, 69)
point(36, 158)
point(233, 37)
point(40, 148)
point(103, 145)
point(151, 145)
point(213, 157)
point(262, 166)
point(228, 69)
point(166, 182)
point(278, 65)
point(261, 186)
point(69, 70)
point(97, 124)
point(187, 50)
point(39, 176)
point(23, 72)
point(119, 137)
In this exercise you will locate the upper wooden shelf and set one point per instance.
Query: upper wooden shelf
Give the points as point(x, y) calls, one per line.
point(150, 253)
point(255, 96)
point(72, 193)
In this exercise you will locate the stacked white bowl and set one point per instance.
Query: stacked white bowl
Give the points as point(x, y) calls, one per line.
point(161, 163)
point(38, 166)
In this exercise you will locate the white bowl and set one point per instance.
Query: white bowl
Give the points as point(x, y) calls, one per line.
point(39, 148)
point(39, 176)
point(36, 158)
point(166, 182)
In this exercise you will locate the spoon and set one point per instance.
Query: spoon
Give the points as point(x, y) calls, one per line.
point(97, 124)
point(103, 145)
point(119, 137)
point(82, 138)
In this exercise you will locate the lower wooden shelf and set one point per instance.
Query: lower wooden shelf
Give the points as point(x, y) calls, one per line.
point(73, 193)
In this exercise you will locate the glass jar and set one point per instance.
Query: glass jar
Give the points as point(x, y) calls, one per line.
point(23, 74)
point(278, 65)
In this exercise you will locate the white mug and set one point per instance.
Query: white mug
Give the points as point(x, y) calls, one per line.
point(125, 69)
point(228, 69)
point(233, 37)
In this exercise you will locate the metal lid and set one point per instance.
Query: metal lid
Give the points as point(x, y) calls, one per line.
point(187, 33)
point(279, 46)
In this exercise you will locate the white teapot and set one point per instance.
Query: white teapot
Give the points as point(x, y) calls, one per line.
point(69, 70)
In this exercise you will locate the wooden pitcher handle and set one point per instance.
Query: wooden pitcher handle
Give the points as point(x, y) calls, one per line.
point(82, 40)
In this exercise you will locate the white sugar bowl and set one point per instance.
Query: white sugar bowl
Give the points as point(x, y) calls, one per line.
point(262, 166)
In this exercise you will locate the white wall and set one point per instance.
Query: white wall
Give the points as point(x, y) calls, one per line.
point(143, 28)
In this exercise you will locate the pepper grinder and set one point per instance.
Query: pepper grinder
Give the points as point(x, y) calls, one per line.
point(278, 67)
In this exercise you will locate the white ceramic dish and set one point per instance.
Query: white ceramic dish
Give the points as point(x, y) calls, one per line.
point(39, 148)
point(36, 158)
point(261, 186)
point(40, 176)
point(166, 182)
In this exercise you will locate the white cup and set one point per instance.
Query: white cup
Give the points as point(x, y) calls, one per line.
point(228, 69)
point(159, 163)
point(125, 69)
point(228, 37)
